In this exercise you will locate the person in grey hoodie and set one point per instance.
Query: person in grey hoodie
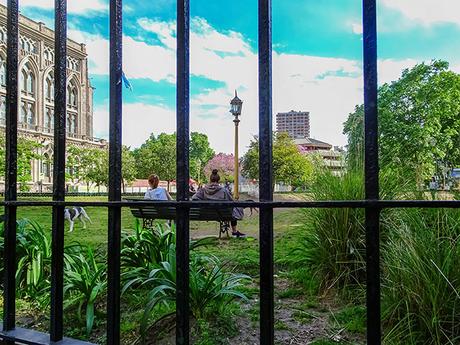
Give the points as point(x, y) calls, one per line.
point(214, 191)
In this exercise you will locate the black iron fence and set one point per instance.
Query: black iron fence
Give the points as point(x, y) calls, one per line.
point(372, 205)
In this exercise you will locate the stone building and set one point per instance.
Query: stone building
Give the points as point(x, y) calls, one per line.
point(295, 123)
point(36, 92)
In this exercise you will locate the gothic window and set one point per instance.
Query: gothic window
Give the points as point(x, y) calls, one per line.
point(28, 92)
point(30, 115)
point(73, 97)
point(23, 112)
point(49, 119)
point(46, 171)
point(28, 80)
point(2, 71)
point(49, 88)
point(72, 123)
point(2, 110)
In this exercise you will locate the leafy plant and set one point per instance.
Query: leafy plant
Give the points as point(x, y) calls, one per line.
point(84, 281)
point(33, 253)
point(145, 249)
point(211, 285)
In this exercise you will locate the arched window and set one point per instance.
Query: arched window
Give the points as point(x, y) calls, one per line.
point(30, 115)
point(72, 123)
point(23, 112)
point(2, 71)
point(49, 88)
point(30, 84)
point(46, 171)
point(73, 97)
point(2, 109)
point(28, 80)
point(49, 119)
point(28, 91)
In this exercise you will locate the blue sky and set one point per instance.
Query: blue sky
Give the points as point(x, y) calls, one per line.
point(317, 59)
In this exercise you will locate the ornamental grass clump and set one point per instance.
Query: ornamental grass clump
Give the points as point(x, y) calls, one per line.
point(421, 277)
point(333, 245)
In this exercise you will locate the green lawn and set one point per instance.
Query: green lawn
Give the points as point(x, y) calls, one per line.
point(95, 234)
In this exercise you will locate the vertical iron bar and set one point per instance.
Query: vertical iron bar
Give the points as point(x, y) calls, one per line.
point(115, 175)
point(371, 165)
point(182, 220)
point(57, 259)
point(11, 139)
point(266, 173)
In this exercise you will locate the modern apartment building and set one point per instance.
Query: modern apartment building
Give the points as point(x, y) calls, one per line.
point(295, 123)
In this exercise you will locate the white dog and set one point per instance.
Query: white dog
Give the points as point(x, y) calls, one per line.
point(76, 213)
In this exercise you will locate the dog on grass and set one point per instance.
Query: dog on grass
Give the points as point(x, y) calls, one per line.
point(74, 214)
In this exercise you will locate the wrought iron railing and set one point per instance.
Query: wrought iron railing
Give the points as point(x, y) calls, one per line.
point(371, 204)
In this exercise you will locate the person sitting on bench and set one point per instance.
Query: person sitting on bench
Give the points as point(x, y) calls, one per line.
point(214, 191)
point(155, 192)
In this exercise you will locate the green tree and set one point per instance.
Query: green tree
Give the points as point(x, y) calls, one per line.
point(289, 165)
point(128, 166)
point(200, 154)
point(419, 122)
point(28, 150)
point(98, 167)
point(157, 155)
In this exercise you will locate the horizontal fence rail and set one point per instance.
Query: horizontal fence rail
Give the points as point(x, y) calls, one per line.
point(254, 204)
point(10, 334)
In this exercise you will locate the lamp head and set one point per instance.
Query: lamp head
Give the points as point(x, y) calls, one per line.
point(235, 105)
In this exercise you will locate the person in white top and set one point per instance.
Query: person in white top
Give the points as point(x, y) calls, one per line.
point(155, 192)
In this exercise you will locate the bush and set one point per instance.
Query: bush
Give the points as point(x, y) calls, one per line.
point(421, 277)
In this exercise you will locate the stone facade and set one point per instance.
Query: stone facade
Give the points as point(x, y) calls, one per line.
point(36, 92)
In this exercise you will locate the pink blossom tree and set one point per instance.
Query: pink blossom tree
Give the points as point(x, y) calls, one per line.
point(224, 163)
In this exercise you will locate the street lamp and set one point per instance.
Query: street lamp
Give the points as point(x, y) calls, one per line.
point(235, 108)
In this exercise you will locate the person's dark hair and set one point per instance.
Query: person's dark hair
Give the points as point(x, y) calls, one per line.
point(214, 176)
point(154, 180)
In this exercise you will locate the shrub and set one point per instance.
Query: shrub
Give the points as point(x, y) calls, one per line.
point(84, 281)
point(143, 251)
point(212, 287)
point(421, 285)
point(33, 256)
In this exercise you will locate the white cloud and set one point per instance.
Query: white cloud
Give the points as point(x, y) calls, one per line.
point(82, 7)
point(427, 12)
point(327, 87)
point(391, 69)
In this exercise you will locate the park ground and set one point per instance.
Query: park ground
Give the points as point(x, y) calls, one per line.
point(301, 316)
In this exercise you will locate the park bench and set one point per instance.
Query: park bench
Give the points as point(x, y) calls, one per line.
point(149, 213)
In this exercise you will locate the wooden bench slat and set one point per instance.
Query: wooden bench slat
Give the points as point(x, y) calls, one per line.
point(205, 214)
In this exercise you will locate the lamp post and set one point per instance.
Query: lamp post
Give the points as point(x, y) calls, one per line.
point(235, 108)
